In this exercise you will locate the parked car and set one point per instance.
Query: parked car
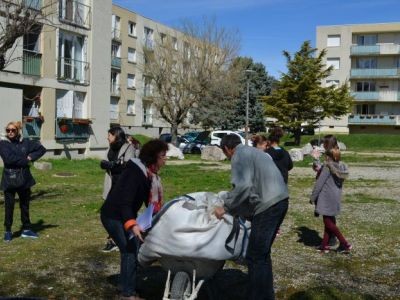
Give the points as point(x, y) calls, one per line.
point(167, 137)
point(217, 135)
point(191, 135)
point(195, 146)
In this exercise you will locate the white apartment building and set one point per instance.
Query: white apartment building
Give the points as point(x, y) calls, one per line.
point(79, 74)
point(367, 57)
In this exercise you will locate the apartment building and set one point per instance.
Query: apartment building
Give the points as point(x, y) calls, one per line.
point(79, 73)
point(367, 57)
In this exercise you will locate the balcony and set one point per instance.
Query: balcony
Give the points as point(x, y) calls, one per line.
point(31, 63)
point(31, 127)
point(375, 73)
point(72, 130)
point(374, 120)
point(148, 43)
point(75, 13)
point(73, 71)
point(116, 62)
point(33, 4)
point(148, 120)
point(381, 49)
point(147, 91)
point(116, 34)
point(377, 96)
point(115, 90)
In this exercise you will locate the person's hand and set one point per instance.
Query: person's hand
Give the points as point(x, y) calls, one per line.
point(137, 231)
point(107, 165)
point(219, 212)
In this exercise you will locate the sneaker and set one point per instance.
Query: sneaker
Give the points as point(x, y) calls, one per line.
point(29, 234)
point(332, 241)
point(344, 248)
point(8, 236)
point(110, 246)
point(323, 249)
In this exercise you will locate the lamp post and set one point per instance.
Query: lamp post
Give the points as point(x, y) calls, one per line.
point(319, 111)
point(246, 129)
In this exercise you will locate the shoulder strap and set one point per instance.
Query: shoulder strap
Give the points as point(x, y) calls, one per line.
point(123, 154)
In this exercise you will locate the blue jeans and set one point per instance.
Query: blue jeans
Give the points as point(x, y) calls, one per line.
point(263, 231)
point(128, 249)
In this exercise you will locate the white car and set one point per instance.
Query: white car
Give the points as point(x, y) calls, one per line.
point(217, 135)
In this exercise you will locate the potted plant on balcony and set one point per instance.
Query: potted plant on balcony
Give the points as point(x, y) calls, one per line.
point(63, 125)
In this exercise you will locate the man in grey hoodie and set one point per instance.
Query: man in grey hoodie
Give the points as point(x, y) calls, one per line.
point(260, 195)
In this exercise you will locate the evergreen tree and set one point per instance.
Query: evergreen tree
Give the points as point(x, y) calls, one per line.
point(300, 98)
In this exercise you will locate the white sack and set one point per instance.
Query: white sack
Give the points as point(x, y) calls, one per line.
point(186, 228)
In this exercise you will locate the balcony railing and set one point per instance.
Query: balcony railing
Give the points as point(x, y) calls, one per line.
point(115, 90)
point(31, 127)
point(72, 70)
point(377, 96)
point(116, 62)
point(381, 49)
point(67, 129)
point(366, 95)
point(375, 73)
point(32, 62)
point(373, 120)
point(74, 12)
point(116, 34)
point(33, 4)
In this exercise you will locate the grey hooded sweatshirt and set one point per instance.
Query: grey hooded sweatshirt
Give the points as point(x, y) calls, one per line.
point(257, 183)
point(327, 192)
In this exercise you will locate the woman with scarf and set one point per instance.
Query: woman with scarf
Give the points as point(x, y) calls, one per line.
point(327, 196)
point(17, 154)
point(139, 184)
point(118, 154)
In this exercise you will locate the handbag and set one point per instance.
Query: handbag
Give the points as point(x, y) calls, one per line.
point(14, 178)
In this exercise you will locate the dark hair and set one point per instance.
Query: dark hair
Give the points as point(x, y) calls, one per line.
point(258, 139)
point(119, 133)
point(230, 141)
point(151, 150)
point(275, 135)
point(330, 142)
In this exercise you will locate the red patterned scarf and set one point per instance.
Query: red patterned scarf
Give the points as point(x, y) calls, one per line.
point(156, 190)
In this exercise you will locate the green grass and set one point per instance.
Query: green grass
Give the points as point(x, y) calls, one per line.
point(65, 262)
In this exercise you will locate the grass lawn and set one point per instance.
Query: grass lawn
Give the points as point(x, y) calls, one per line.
point(66, 261)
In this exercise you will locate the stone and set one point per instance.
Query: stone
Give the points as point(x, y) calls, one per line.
point(42, 165)
point(174, 152)
point(212, 153)
point(342, 146)
point(296, 154)
point(307, 149)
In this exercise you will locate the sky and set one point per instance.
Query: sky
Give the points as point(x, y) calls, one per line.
point(267, 27)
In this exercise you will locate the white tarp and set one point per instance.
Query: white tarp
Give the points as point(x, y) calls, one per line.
point(186, 228)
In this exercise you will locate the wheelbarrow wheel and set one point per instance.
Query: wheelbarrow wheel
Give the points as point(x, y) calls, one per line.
point(180, 286)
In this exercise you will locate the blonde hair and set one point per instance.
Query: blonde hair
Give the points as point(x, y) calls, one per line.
point(17, 125)
point(334, 154)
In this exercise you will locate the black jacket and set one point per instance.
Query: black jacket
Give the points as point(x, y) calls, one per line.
point(127, 196)
point(282, 160)
point(14, 155)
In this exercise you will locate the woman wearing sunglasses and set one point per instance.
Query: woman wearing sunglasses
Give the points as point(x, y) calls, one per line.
point(17, 154)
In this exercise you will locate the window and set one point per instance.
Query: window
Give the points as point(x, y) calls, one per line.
point(148, 37)
point(148, 87)
point(72, 63)
point(116, 27)
point(130, 108)
point(71, 104)
point(132, 29)
point(32, 40)
point(115, 50)
point(332, 83)
point(131, 55)
point(147, 114)
point(131, 81)
point(365, 86)
point(333, 41)
point(163, 37)
point(114, 110)
point(365, 109)
point(367, 40)
point(115, 89)
point(335, 62)
point(367, 63)
point(175, 43)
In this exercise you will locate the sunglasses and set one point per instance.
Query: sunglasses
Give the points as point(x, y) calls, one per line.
point(8, 130)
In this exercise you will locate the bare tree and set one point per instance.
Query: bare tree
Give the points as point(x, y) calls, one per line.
point(18, 18)
point(185, 74)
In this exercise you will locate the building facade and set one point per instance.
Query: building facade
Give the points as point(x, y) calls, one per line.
point(79, 73)
point(367, 58)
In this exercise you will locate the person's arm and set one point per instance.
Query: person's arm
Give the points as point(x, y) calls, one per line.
point(242, 182)
point(36, 150)
point(11, 157)
point(290, 162)
point(319, 184)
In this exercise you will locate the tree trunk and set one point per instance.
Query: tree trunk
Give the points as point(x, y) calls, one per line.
point(174, 133)
point(297, 136)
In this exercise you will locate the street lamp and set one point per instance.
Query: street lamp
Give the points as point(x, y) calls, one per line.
point(319, 111)
point(248, 72)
